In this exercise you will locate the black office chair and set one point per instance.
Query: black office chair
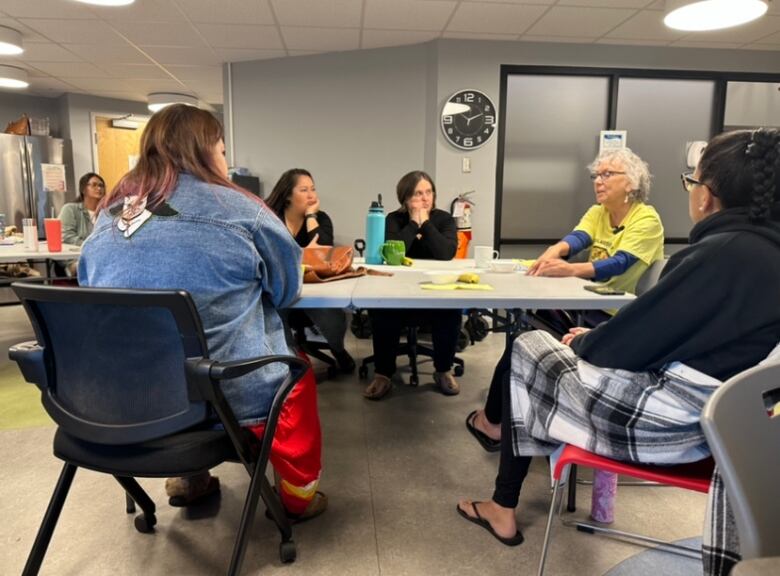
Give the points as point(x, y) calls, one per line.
point(412, 349)
point(126, 376)
point(299, 322)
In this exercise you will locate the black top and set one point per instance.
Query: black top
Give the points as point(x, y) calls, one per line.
point(438, 236)
point(715, 308)
point(324, 229)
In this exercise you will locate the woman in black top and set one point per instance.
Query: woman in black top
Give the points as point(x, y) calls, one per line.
point(431, 234)
point(294, 199)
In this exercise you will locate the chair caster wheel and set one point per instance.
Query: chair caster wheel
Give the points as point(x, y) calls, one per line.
point(145, 523)
point(414, 381)
point(463, 341)
point(458, 370)
point(363, 372)
point(287, 552)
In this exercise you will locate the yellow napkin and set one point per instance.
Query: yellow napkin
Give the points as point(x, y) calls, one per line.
point(524, 263)
point(456, 286)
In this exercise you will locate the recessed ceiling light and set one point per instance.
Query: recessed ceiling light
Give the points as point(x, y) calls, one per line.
point(10, 41)
point(107, 2)
point(13, 77)
point(701, 15)
point(159, 100)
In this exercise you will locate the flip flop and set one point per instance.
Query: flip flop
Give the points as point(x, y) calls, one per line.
point(484, 440)
point(515, 540)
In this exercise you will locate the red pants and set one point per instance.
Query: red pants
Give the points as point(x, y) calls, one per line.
point(296, 452)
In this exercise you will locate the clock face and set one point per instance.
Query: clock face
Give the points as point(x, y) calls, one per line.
point(468, 119)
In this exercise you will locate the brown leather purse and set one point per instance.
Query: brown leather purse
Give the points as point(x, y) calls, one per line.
point(328, 263)
point(20, 127)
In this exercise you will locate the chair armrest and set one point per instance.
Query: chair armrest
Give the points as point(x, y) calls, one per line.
point(30, 358)
point(236, 368)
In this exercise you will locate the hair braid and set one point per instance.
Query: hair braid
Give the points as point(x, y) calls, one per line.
point(763, 151)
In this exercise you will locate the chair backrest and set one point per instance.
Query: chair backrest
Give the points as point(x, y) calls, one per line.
point(112, 367)
point(650, 276)
point(742, 428)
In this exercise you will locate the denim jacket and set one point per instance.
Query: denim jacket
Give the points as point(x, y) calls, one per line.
point(232, 254)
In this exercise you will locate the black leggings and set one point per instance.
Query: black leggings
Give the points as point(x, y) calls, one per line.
point(512, 469)
point(493, 410)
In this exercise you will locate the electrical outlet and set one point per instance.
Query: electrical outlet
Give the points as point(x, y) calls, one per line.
point(466, 167)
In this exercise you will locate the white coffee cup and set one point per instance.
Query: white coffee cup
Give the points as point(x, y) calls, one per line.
point(483, 255)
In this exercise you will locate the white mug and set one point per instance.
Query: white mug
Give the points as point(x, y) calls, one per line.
point(483, 255)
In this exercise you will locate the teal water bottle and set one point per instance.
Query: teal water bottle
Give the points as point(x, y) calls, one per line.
point(375, 232)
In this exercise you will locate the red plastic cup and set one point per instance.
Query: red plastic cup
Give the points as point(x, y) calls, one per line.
point(53, 227)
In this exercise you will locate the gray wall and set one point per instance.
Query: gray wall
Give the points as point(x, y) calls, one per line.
point(359, 120)
point(13, 105)
point(356, 120)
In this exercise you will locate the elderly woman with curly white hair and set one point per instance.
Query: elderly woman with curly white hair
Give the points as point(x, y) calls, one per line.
point(624, 234)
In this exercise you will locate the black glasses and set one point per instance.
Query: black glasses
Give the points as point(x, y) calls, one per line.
point(688, 181)
point(606, 175)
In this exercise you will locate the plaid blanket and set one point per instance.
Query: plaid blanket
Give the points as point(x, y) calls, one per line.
point(642, 417)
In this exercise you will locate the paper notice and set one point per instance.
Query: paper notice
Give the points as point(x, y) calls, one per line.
point(54, 178)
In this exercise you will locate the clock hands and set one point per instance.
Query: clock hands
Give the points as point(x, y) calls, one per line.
point(469, 119)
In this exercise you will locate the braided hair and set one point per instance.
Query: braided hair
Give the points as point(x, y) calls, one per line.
point(741, 169)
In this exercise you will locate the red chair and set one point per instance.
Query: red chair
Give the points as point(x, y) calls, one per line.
point(695, 476)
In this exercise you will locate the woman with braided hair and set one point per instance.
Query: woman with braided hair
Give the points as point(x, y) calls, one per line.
point(633, 388)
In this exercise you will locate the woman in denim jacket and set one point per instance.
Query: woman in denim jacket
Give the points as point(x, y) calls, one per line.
point(176, 222)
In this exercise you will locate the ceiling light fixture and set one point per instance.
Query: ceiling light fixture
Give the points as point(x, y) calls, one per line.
point(107, 2)
point(13, 77)
point(701, 15)
point(10, 41)
point(159, 100)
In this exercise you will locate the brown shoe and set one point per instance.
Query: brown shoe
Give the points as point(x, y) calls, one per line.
point(189, 489)
point(379, 388)
point(446, 383)
point(317, 506)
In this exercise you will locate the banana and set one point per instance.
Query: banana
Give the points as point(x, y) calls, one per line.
point(469, 278)
point(407, 261)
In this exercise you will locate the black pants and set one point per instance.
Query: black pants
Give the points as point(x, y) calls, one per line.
point(512, 469)
point(494, 403)
point(386, 326)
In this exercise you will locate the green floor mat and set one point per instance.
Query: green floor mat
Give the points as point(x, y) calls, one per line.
point(20, 402)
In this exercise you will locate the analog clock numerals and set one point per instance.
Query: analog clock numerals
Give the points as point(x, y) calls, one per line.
point(468, 119)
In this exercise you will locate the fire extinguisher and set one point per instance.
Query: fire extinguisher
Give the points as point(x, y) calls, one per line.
point(461, 211)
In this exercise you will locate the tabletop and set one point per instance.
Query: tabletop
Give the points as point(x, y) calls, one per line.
point(17, 253)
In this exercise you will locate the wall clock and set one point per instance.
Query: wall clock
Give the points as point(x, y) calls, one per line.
point(468, 119)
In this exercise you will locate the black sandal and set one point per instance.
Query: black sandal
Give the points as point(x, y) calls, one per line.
point(484, 440)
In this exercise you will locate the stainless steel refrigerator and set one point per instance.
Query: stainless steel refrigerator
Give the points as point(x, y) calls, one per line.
point(36, 178)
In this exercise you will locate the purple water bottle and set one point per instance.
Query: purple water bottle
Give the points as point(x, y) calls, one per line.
point(602, 500)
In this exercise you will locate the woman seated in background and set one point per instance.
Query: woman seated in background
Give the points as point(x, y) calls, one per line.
point(79, 217)
point(176, 222)
point(624, 235)
point(294, 199)
point(428, 233)
point(611, 390)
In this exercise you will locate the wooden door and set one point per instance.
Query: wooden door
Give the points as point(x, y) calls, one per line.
point(117, 150)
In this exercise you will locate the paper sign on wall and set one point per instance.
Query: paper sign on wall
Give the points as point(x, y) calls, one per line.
point(612, 139)
point(54, 178)
point(132, 160)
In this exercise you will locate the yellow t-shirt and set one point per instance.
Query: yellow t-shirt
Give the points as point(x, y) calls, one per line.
point(642, 235)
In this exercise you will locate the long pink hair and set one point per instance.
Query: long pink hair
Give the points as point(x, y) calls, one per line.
point(178, 138)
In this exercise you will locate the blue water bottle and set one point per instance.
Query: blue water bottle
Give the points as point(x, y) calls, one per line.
point(375, 232)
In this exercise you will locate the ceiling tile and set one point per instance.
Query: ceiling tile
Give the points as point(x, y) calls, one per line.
point(50, 84)
point(494, 18)
point(144, 11)
point(160, 33)
point(607, 3)
point(102, 83)
point(48, 52)
point(772, 39)
point(408, 14)
point(241, 36)
point(197, 73)
point(70, 69)
point(760, 46)
point(76, 31)
point(577, 21)
point(146, 85)
point(383, 38)
point(305, 38)
point(539, 2)
point(132, 71)
point(693, 44)
point(241, 55)
point(173, 55)
point(645, 25)
point(122, 54)
point(323, 13)
point(228, 11)
point(751, 32)
point(475, 36)
point(48, 8)
point(557, 39)
point(305, 52)
point(28, 34)
point(633, 42)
